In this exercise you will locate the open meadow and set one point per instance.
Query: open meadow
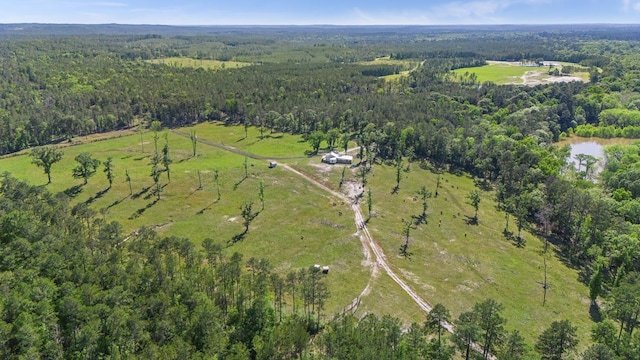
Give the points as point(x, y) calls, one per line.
point(199, 63)
point(503, 72)
point(452, 261)
point(299, 226)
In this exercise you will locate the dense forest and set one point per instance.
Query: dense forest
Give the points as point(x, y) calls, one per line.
point(73, 287)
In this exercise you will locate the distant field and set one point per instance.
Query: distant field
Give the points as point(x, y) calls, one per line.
point(388, 61)
point(501, 72)
point(200, 63)
point(407, 65)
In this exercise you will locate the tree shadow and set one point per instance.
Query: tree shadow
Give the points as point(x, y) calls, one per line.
point(141, 157)
point(206, 208)
point(117, 202)
point(238, 237)
point(141, 192)
point(420, 219)
point(154, 192)
point(471, 220)
point(594, 312)
point(483, 185)
point(141, 211)
point(235, 186)
point(193, 192)
point(518, 241)
point(98, 195)
point(73, 191)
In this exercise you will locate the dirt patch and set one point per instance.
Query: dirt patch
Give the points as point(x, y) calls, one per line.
point(322, 167)
point(533, 78)
point(333, 225)
point(163, 226)
point(352, 189)
point(413, 277)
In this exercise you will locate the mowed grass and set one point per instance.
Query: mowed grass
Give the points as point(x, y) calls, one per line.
point(199, 63)
point(509, 73)
point(459, 264)
point(300, 225)
point(268, 144)
point(497, 73)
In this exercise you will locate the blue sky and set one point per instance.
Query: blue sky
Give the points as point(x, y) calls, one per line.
point(305, 12)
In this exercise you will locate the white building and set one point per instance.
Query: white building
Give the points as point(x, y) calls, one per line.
point(335, 158)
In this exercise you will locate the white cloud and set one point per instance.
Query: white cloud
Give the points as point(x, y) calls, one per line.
point(629, 5)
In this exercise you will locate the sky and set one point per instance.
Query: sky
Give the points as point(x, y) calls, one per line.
point(320, 12)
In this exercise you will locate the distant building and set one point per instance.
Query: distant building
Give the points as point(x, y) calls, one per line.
point(335, 158)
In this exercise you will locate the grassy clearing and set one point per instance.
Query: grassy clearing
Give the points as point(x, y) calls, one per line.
point(513, 73)
point(497, 73)
point(453, 262)
point(389, 61)
point(199, 63)
point(459, 264)
point(407, 65)
point(300, 225)
point(276, 145)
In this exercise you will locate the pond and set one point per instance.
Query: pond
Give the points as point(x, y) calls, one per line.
point(590, 148)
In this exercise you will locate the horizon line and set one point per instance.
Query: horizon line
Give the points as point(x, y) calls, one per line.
point(334, 25)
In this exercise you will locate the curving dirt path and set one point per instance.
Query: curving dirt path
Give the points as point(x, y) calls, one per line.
point(370, 246)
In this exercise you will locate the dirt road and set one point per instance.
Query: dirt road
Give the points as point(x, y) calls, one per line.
point(369, 244)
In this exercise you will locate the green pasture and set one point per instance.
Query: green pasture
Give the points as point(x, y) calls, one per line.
point(408, 65)
point(300, 225)
point(452, 262)
point(459, 264)
point(499, 74)
point(268, 144)
point(508, 73)
point(199, 63)
point(389, 61)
